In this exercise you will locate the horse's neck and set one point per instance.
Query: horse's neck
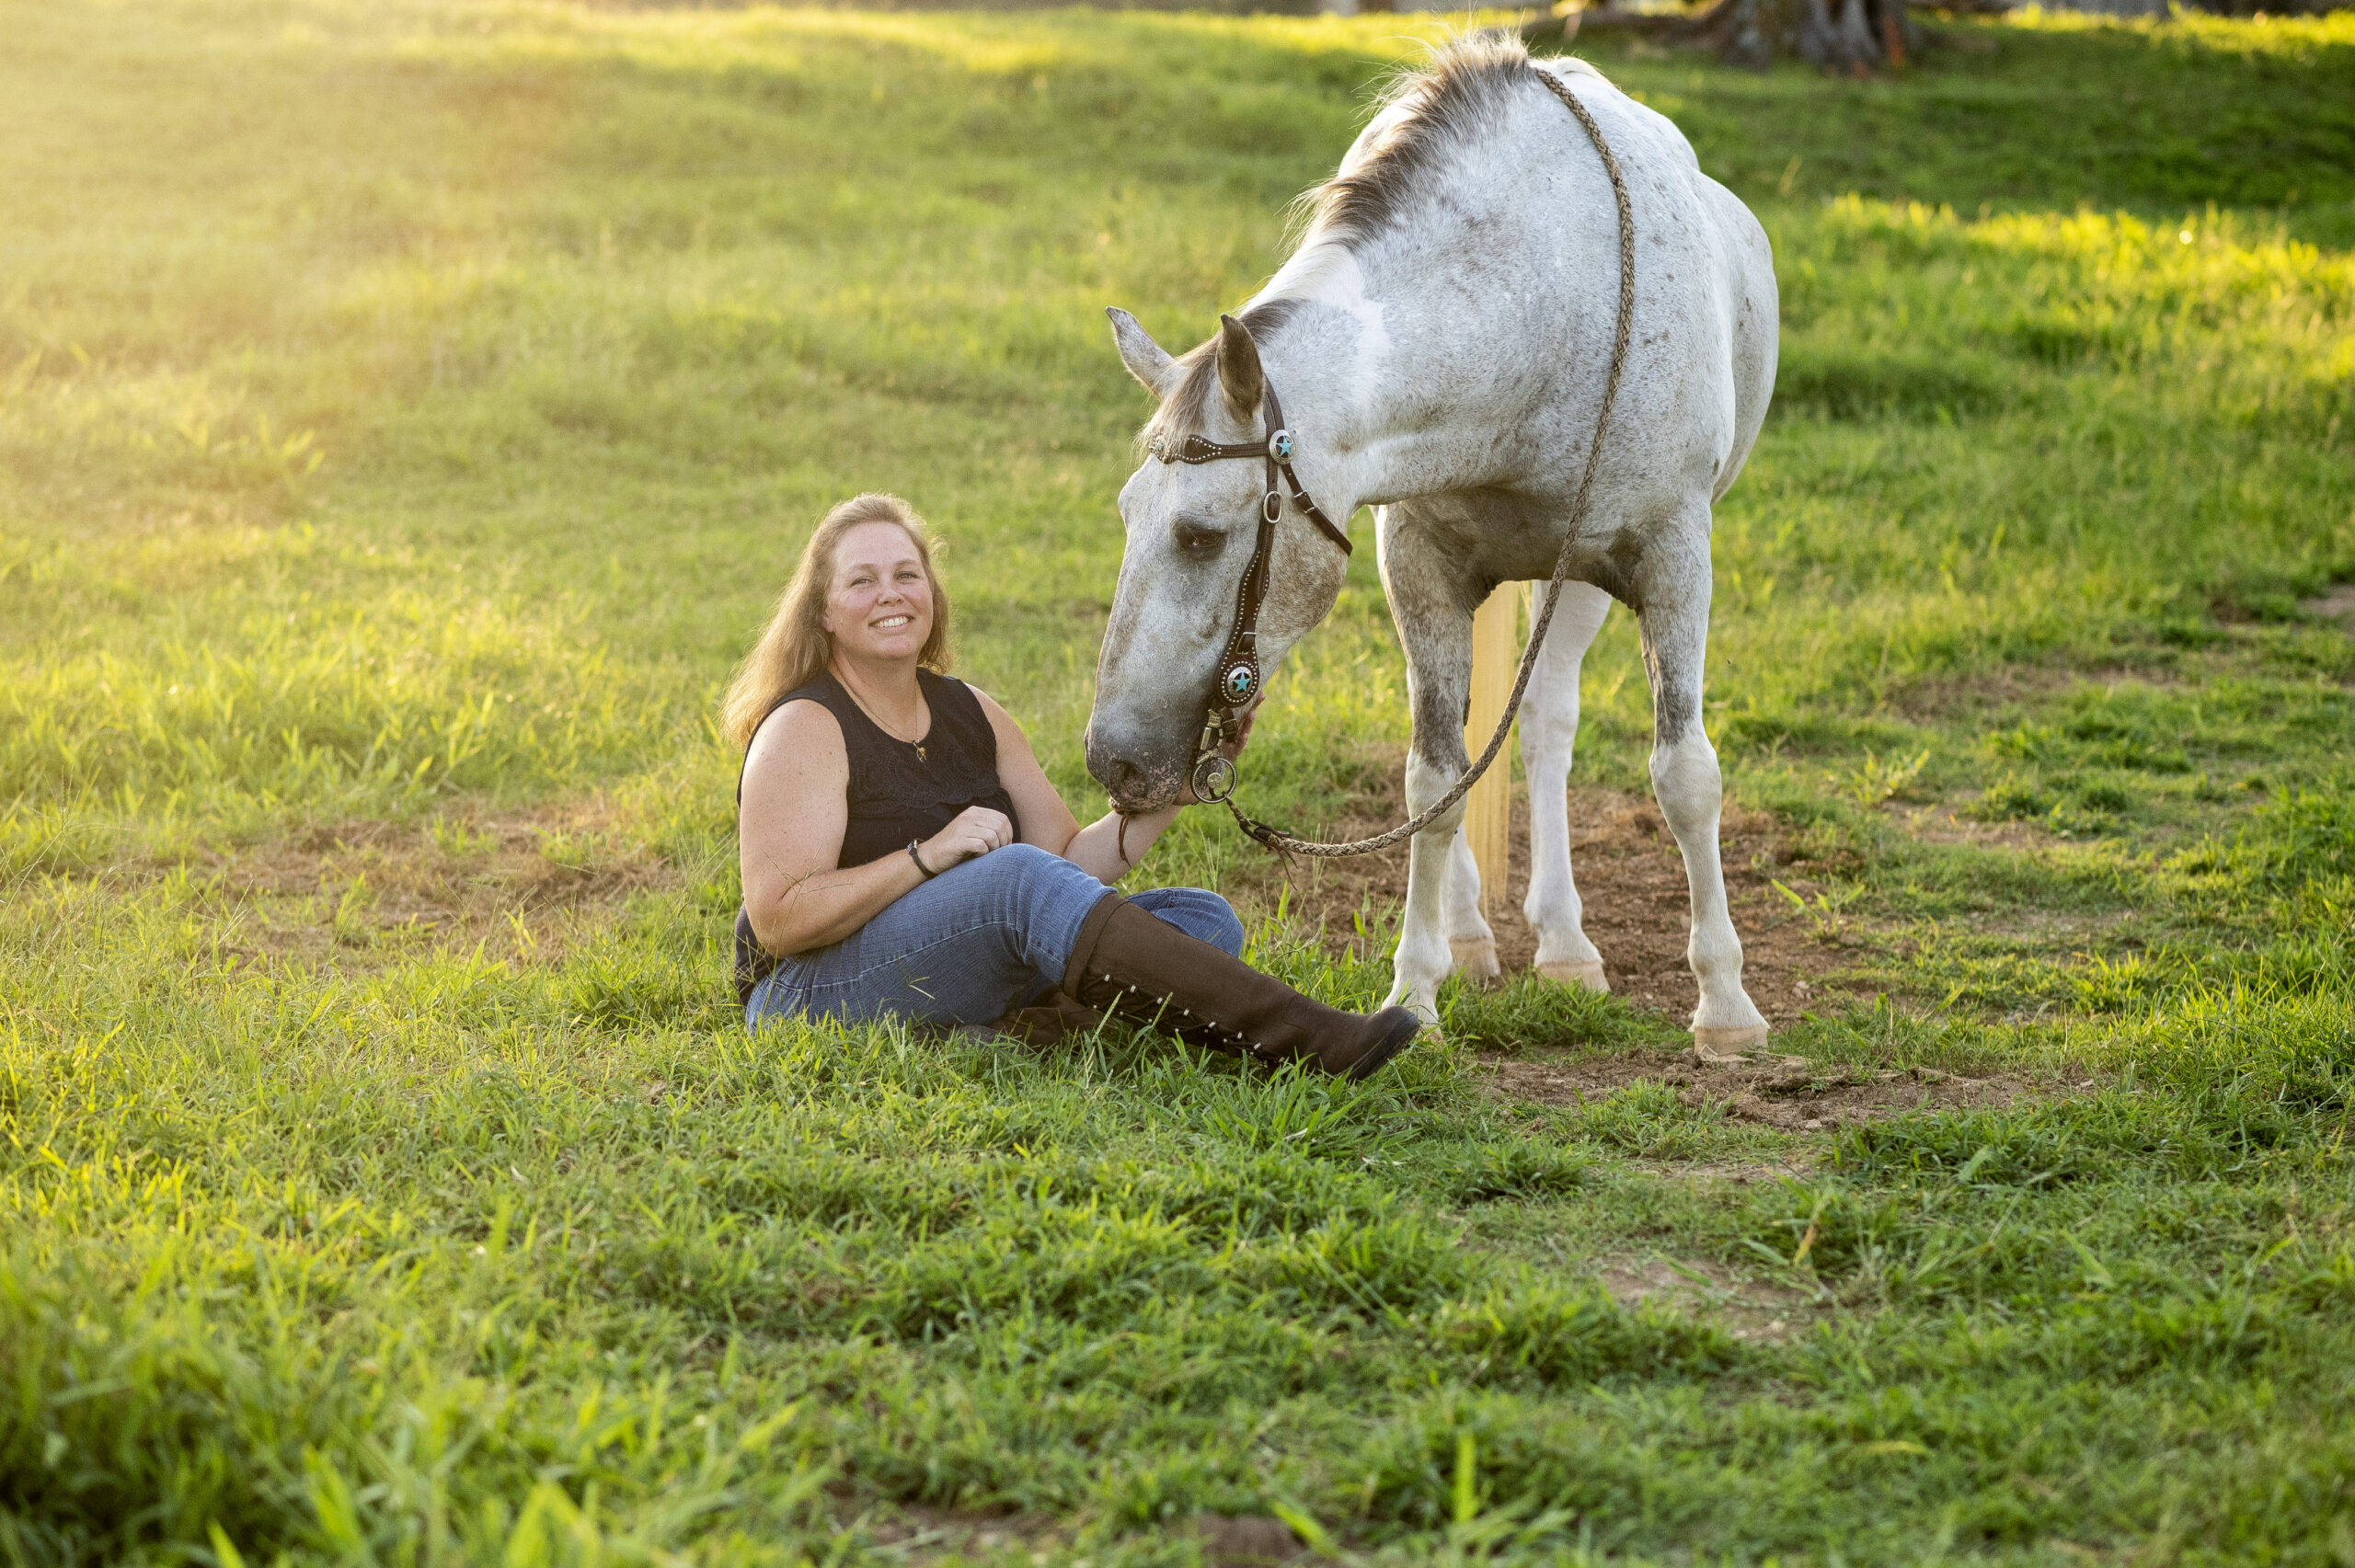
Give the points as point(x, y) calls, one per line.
point(1381, 411)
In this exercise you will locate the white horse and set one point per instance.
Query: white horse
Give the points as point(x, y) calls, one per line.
point(1440, 340)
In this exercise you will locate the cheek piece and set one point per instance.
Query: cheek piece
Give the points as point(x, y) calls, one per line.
point(1237, 678)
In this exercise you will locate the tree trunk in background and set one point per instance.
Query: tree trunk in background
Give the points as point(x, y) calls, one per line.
point(1840, 35)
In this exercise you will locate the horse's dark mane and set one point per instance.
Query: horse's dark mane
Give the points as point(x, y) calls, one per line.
point(1455, 95)
point(1459, 93)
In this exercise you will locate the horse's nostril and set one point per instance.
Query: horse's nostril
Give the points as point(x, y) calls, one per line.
point(1124, 775)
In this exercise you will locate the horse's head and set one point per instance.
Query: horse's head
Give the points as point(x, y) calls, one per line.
point(1191, 529)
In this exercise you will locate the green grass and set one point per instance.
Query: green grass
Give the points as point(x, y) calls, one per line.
point(407, 413)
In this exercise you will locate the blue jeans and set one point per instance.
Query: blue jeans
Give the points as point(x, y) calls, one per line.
point(982, 938)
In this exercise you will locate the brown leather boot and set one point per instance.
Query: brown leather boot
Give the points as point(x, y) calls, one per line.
point(1147, 971)
point(1048, 1020)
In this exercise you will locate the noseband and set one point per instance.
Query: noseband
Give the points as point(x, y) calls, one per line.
point(1238, 680)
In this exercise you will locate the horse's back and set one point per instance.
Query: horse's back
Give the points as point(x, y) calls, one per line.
point(1706, 274)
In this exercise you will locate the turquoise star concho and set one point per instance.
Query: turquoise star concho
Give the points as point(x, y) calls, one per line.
point(1240, 682)
point(1281, 444)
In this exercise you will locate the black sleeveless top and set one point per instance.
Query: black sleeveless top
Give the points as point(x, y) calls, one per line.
point(899, 790)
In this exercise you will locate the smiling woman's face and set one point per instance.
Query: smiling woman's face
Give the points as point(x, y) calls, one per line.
point(879, 604)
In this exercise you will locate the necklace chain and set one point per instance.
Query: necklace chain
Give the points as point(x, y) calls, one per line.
point(877, 719)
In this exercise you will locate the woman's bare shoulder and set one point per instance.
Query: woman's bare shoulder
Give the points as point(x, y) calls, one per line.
point(992, 709)
point(797, 734)
point(988, 704)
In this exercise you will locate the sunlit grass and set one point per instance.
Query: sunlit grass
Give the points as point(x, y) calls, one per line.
point(2289, 38)
point(408, 411)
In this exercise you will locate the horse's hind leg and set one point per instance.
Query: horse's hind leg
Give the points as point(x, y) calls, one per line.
point(1675, 581)
point(1471, 945)
point(1550, 725)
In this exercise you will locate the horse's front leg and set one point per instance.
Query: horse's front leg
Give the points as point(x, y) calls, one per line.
point(1424, 955)
point(1549, 727)
point(1436, 631)
point(1675, 620)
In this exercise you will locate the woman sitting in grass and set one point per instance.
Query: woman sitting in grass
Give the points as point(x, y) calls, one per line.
point(905, 853)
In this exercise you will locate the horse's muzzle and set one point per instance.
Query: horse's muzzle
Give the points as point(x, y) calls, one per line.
point(1139, 777)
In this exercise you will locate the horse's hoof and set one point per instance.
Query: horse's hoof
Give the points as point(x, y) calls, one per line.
point(1476, 958)
point(1587, 972)
point(1725, 1041)
point(1424, 1008)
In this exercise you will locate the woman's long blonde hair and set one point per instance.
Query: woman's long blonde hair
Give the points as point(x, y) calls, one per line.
point(795, 648)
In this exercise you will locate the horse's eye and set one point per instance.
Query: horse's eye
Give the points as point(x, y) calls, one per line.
point(1197, 542)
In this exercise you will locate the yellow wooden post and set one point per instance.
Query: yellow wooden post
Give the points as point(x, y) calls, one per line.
point(1487, 810)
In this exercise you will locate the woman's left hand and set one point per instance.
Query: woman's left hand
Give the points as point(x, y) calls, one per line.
point(1233, 749)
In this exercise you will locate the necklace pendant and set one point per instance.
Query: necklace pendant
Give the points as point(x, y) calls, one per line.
point(919, 756)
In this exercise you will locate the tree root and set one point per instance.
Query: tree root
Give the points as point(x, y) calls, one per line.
point(1852, 35)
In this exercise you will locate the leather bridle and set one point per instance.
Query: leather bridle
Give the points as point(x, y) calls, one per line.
point(1236, 681)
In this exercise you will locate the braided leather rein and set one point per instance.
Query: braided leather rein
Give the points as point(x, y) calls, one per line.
point(1223, 716)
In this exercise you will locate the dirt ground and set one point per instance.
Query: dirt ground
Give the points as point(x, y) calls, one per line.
point(2339, 605)
point(1787, 1092)
point(915, 1532)
point(1745, 1307)
point(348, 888)
point(366, 891)
point(1638, 914)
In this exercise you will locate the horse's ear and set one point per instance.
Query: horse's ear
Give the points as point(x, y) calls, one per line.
point(1239, 375)
point(1147, 360)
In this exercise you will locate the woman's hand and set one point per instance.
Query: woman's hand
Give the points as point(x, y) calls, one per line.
point(976, 831)
point(1230, 750)
point(1233, 749)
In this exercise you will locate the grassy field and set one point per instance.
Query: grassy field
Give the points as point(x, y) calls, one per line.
point(408, 410)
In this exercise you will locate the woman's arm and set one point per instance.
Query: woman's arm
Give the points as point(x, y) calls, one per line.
point(1098, 849)
point(1046, 821)
point(1101, 849)
point(790, 837)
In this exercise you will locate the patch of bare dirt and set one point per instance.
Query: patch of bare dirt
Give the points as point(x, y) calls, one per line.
point(1631, 879)
point(348, 892)
point(915, 1532)
point(1744, 1307)
point(1942, 824)
point(1244, 1542)
point(2339, 605)
point(1931, 698)
point(1735, 1173)
point(1787, 1092)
